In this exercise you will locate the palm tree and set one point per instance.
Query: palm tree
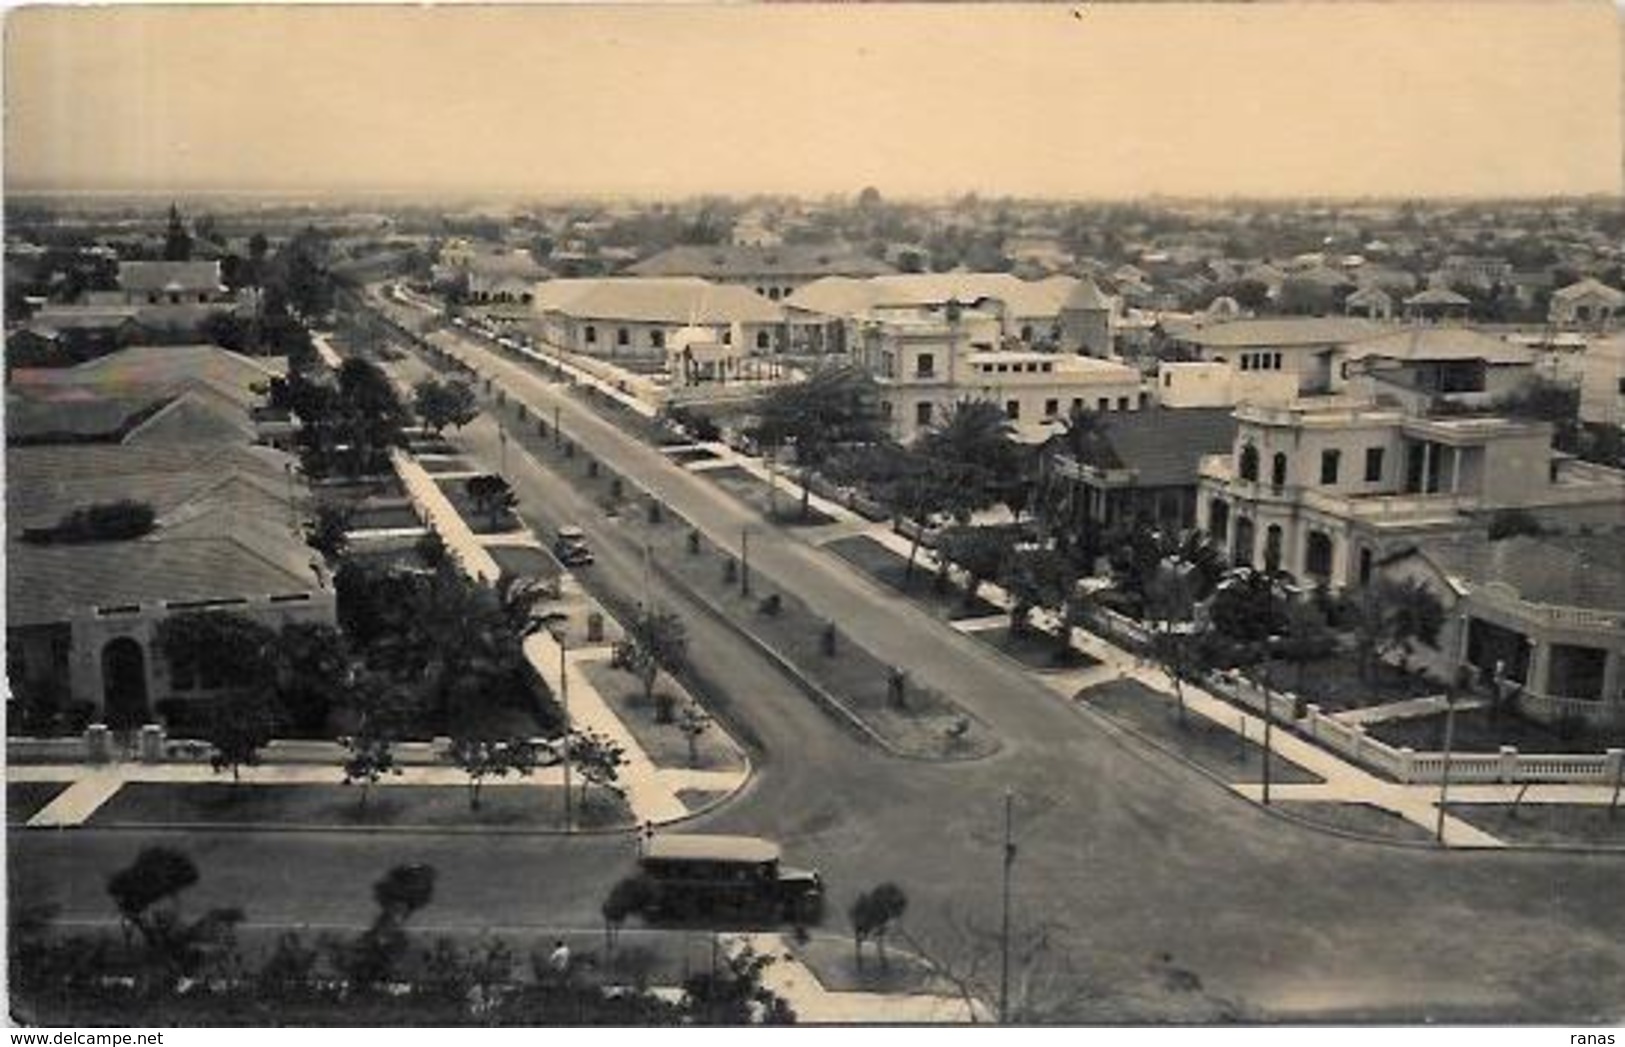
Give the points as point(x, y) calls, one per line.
point(977, 438)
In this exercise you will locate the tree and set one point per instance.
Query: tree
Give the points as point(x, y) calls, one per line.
point(1511, 523)
point(734, 995)
point(693, 722)
point(177, 242)
point(597, 759)
point(368, 416)
point(833, 408)
point(1034, 577)
point(481, 758)
point(977, 439)
point(491, 495)
point(311, 665)
point(978, 551)
point(368, 757)
point(1169, 600)
point(328, 533)
point(873, 914)
point(1391, 616)
point(157, 874)
point(440, 404)
point(175, 947)
point(654, 639)
point(404, 890)
point(1306, 638)
point(629, 895)
point(239, 725)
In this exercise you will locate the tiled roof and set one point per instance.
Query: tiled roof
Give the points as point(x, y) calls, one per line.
point(1443, 343)
point(155, 370)
point(48, 583)
point(1086, 295)
point(1162, 445)
point(1437, 296)
point(1568, 571)
point(1285, 331)
point(739, 261)
point(673, 300)
point(840, 296)
point(163, 276)
point(39, 419)
point(82, 317)
point(1588, 287)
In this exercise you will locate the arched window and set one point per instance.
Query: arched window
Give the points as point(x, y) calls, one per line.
point(1243, 554)
point(1249, 463)
point(1218, 520)
point(1278, 470)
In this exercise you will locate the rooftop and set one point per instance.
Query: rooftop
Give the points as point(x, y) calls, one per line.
point(669, 300)
point(843, 296)
point(1162, 446)
point(170, 276)
point(1565, 570)
point(1281, 332)
point(738, 261)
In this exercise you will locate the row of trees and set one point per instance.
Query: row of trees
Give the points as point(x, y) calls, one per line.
point(184, 970)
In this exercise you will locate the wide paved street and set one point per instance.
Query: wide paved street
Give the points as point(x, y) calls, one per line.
point(1123, 855)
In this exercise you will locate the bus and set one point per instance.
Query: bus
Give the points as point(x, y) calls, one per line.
point(691, 876)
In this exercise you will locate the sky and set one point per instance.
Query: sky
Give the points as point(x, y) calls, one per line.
point(1087, 99)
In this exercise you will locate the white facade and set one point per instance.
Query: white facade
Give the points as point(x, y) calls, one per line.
point(1602, 382)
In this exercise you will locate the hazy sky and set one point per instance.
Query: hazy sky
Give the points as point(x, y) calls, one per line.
point(1085, 99)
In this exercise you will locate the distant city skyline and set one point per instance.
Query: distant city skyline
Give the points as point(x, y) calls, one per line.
point(1079, 101)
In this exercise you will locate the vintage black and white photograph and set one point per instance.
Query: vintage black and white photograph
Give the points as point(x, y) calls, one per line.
point(1093, 514)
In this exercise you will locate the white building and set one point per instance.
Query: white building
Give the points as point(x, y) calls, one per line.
point(634, 318)
point(1602, 382)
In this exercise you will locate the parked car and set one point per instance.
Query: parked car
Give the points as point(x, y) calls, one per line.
point(570, 547)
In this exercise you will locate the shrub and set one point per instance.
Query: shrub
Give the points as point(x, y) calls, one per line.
point(771, 605)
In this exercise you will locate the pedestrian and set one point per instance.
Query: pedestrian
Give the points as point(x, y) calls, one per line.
point(558, 961)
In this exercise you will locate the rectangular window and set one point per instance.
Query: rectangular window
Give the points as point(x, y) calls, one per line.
point(590, 335)
point(922, 413)
point(1122, 403)
point(1103, 404)
point(1168, 380)
point(623, 336)
point(1052, 407)
point(925, 365)
point(1012, 410)
point(1077, 403)
point(1047, 368)
point(1003, 368)
point(657, 339)
point(1246, 361)
point(1275, 361)
point(1373, 464)
point(1328, 466)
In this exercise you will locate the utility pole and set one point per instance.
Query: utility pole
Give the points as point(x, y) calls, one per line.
point(556, 436)
point(744, 560)
point(1004, 928)
point(1449, 740)
point(564, 708)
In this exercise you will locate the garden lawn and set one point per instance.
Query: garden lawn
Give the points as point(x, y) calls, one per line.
point(1214, 748)
point(1361, 819)
point(1335, 684)
point(397, 806)
point(383, 516)
point(884, 565)
point(1547, 823)
point(782, 508)
point(1034, 649)
point(663, 742)
point(479, 521)
point(1478, 730)
point(26, 799)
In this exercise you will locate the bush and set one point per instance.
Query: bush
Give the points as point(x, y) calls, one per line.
point(771, 605)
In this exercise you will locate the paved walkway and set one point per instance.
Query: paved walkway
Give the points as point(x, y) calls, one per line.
point(815, 1004)
point(1409, 709)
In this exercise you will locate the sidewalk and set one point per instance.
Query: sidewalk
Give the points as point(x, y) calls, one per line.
point(815, 1004)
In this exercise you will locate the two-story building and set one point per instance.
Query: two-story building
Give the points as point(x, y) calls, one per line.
point(1588, 303)
point(927, 360)
point(773, 271)
point(1326, 487)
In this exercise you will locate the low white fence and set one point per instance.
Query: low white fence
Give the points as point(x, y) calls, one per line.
point(1404, 764)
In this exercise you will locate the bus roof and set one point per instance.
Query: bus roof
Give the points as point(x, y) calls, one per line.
point(712, 848)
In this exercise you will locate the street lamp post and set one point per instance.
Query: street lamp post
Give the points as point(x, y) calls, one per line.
point(1004, 927)
point(561, 636)
point(744, 560)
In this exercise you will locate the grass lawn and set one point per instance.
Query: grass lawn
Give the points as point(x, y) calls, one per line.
point(1335, 684)
point(479, 521)
point(666, 745)
point(26, 799)
point(1359, 818)
point(835, 964)
point(1479, 731)
point(699, 799)
point(754, 492)
point(522, 561)
point(379, 517)
point(1034, 649)
point(402, 806)
point(685, 455)
point(1547, 823)
point(1216, 749)
point(924, 725)
point(884, 565)
point(447, 465)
